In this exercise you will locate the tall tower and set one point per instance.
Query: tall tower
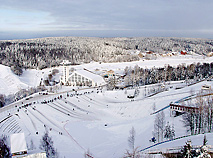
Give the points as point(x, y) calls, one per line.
point(65, 76)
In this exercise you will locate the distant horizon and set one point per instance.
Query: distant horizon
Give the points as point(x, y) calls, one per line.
point(90, 33)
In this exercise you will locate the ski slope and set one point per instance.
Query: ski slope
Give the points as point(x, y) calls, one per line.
point(92, 119)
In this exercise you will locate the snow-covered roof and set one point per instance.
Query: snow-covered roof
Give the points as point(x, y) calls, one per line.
point(66, 62)
point(18, 143)
point(90, 75)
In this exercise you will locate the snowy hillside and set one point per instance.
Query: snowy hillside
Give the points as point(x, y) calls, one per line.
point(93, 119)
point(9, 82)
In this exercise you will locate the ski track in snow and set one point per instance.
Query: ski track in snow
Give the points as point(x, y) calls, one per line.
point(99, 121)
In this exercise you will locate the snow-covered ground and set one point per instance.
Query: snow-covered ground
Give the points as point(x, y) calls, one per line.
point(11, 83)
point(96, 119)
point(196, 140)
point(159, 62)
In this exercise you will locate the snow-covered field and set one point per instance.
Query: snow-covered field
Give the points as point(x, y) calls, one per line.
point(92, 119)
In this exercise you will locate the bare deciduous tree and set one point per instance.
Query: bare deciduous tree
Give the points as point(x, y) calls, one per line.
point(131, 139)
point(159, 125)
point(134, 153)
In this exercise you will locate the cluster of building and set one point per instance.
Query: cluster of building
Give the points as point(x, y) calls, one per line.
point(150, 55)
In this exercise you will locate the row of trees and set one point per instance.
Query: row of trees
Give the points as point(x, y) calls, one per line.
point(202, 120)
point(139, 76)
point(5, 100)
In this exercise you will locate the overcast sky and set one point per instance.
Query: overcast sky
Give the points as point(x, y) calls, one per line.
point(106, 18)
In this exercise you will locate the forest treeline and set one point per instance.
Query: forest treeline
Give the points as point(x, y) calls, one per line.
point(190, 73)
point(48, 52)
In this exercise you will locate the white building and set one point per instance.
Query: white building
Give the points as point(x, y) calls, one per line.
point(19, 148)
point(65, 76)
point(84, 77)
point(18, 144)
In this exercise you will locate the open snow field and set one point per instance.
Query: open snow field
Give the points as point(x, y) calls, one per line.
point(91, 119)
